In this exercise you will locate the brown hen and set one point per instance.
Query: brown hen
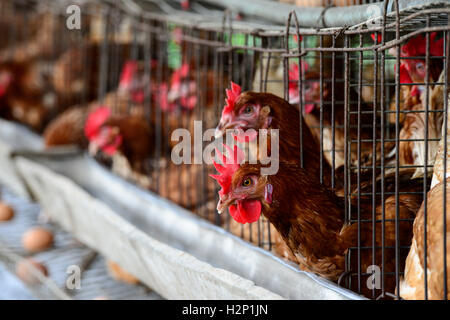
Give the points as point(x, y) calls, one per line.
point(429, 249)
point(310, 219)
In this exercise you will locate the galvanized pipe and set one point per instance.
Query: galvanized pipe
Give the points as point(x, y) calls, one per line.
point(316, 17)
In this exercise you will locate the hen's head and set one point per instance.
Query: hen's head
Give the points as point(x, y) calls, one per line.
point(133, 79)
point(416, 47)
point(102, 136)
point(183, 89)
point(6, 79)
point(243, 111)
point(244, 191)
point(252, 110)
point(311, 89)
point(405, 78)
point(161, 96)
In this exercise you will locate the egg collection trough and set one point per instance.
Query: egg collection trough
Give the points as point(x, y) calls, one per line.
point(169, 249)
point(61, 261)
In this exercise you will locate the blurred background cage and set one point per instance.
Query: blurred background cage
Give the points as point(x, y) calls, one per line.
point(376, 106)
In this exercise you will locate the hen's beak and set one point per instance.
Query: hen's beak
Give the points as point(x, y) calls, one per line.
point(219, 132)
point(222, 128)
point(115, 131)
point(173, 95)
point(93, 148)
point(224, 203)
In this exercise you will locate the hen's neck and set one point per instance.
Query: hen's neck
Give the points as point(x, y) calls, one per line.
point(308, 216)
point(287, 120)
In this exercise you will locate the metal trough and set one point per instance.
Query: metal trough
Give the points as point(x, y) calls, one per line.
point(15, 137)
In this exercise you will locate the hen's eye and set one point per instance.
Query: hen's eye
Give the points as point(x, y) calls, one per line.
point(248, 109)
point(420, 66)
point(247, 182)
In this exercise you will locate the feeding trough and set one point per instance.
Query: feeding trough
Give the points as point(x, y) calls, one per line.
point(15, 137)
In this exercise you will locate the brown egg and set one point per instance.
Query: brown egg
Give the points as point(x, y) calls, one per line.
point(120, 274)
point(26, 268)
point(6, 212)
point(37, 239)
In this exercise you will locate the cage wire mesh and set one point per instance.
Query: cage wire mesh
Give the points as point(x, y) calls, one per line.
point(371, 122)
point(36, 43)
point(376, 107)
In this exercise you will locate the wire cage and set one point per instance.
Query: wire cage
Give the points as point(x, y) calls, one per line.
point(371, 122)
point(373, 96)
point(35, 36)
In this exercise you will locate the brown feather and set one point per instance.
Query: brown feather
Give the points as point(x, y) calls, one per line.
point(286, 118)
point(310, 219)
point(413, 284)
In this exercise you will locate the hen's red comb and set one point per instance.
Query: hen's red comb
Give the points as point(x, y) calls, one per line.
point(378, 37)
point(128, 71)
point(295, 37)
point(417, 46)
point(230, 164)
point(95, 120)
point(5, 81)
point(232, 95)
point(161, 92)
point(185, 4)
point(404, 74)
point(406, 78)
point(294, 73)
point(180, 73)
